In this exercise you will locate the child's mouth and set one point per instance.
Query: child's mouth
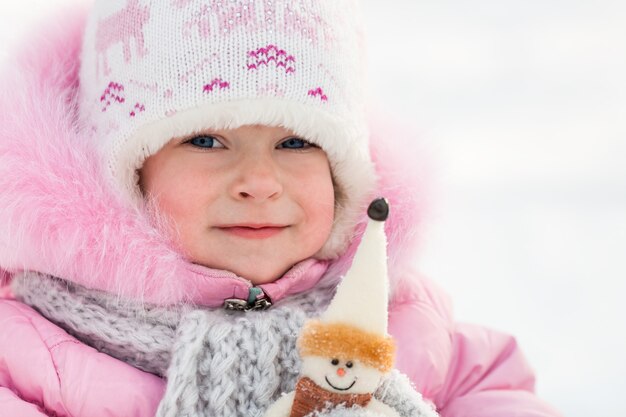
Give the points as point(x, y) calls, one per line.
point(253, 232)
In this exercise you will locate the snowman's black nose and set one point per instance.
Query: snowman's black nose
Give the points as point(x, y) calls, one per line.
point(378, 210)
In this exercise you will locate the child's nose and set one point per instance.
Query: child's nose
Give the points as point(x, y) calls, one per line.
point(341, 372)
point(258, 179)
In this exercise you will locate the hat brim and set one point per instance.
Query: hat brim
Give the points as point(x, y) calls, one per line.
point(343, 341)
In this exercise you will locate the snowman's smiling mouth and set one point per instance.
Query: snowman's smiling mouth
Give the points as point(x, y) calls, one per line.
point(340, 389)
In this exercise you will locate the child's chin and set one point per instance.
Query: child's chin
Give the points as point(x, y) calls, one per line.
point(258, 268)
point(259, 279)
point(257, 273)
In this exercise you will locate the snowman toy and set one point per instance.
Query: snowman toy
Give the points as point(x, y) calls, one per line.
point(347, 352)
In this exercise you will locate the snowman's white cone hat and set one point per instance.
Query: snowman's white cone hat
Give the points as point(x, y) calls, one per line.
point(355, 324)
point(361, 298)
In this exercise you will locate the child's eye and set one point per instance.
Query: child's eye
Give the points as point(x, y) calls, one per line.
point(296, 143)
point(206, 142)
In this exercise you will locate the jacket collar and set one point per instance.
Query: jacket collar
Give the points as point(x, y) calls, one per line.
point(216, 288)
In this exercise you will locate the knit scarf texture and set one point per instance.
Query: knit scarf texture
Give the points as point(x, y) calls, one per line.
point(216, 362)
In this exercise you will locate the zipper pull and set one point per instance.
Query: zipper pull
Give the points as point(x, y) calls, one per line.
point(257, 300)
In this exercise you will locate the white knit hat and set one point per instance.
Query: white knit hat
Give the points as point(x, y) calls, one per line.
point(153, 70)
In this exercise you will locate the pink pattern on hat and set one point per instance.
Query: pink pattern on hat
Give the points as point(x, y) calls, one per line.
point(271, 53)
point(229, 17)
point(137, 109)
point(181, 3)
point(114, 93)
point(306, 22)
point(254, 17)
point(122, 26)
point(271, 89)
point(200, 65)
point(318, 92)
point(217, 82)
point(150, 87)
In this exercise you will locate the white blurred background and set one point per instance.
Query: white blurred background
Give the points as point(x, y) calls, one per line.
point(523, 105)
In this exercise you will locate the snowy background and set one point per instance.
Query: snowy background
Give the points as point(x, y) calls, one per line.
point(522, 104)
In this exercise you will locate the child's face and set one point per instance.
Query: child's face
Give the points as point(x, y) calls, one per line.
point(222, 187)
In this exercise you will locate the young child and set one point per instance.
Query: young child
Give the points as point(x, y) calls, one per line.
point(182, 184)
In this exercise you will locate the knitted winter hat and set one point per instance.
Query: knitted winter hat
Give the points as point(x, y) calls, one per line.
point(355, 324)
point(153, 70)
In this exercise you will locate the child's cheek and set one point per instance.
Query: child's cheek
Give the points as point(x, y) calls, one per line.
point(319, 195)
point(179, 187)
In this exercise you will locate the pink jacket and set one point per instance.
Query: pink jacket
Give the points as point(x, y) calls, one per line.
point(57, 215)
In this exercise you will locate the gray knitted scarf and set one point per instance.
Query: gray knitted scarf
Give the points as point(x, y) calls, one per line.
point(217, 362)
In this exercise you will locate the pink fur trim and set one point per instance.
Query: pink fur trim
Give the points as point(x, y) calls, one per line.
point(59, 216)
point(404, 172)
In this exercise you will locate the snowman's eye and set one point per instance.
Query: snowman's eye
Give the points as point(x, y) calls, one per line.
point(335, 362)
point(348, 364)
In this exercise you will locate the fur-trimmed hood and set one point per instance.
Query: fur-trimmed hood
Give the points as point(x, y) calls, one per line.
point(59, 216)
